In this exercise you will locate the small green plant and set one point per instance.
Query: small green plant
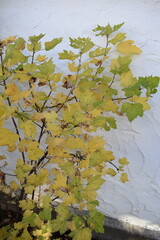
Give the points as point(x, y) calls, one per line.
point(48, 118)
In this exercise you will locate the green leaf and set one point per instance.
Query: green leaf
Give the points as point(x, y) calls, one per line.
point(34, 47)
point(95, 182)
point(117, 27)
point(112, 122)
point(47, 68)
point(51, 44)
point(67, 55)
point(150, 83)
point(100, 156)
point(133, 90)
point(132, 110)
point(107, 30)
point(63, 212)
point(29, 217)
point(96, 221)
point(99, 52)
point(59, 225)
point(100, 70)
point(34, 39)
point(45, 214)
point(84, 44)
point(82, 234)
point(103, 31)
point(120, 65)
point(91, 205)
point(118, 38)
point(78, 221)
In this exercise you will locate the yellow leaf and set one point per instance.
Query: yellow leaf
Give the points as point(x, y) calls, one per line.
point(118, 38)
point(84, 163)
point(14, 185)
point(109, 105)
point(34, 152)
point(59, 193)
point(61, 98)
point(127, 79)
point(88, 173)
point(95, 143)
point(7, 137)
point(110, 171)
point(90, 195)
point(96, 112)
point(82, 205)
point(60, 182)
point(37, 116)
point(72, 67)
point(127, 48)
point(123, 161)
point(29, 189)
point(142, 100)
point(69, 200)
point(56, 77)
point(29, 129)
point(12, 91)
point(25, 94)
point(41, 58)
point(115, 64)
point(77, 130)
point(26, 204)
point(124, 177)
point(54, 128)
point(23, 144)
point(50, 116)
point(84, 65)
point(38, 222)
point(73, 143)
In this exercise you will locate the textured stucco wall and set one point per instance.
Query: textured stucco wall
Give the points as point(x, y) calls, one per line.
point(139, 141)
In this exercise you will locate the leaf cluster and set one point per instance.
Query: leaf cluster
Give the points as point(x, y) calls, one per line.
point(52, 117)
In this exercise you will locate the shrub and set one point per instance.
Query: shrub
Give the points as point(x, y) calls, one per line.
point(48, 118)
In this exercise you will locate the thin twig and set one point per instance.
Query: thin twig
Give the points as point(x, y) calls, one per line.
point(114, 165)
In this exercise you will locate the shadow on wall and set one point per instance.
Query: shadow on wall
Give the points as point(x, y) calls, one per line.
point(119, 230)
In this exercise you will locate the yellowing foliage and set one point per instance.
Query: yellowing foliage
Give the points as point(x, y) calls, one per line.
point(127, 48)
point(50, 118)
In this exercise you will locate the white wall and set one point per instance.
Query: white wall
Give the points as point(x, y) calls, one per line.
point(139, 141)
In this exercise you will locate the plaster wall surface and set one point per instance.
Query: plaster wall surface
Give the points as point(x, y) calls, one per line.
point(137, 201)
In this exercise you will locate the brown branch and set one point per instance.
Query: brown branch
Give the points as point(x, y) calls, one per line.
point(33, 53)
point(113, 165)
point(42, 128)
point(39, 162)
point(112, 81)
point(120, 98)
